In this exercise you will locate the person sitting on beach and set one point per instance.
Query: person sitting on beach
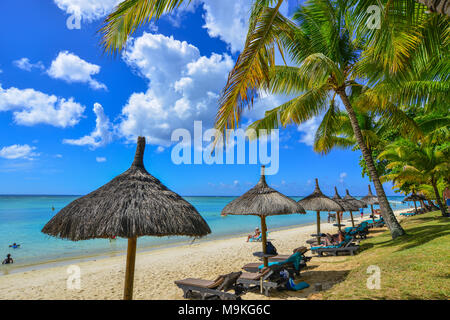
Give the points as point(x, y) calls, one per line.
point(334, 239)
point(14, 245)
point(8, 259)
point(255, 235)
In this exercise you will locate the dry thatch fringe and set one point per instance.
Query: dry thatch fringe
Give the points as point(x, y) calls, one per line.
point(133, 204)
point(354, 201)
point(262, 200)
point(370, 199)
point(414, 197)
point(347, 205)
point(317, 201)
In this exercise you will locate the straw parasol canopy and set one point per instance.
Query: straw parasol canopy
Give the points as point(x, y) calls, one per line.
point(357, 203)
point(262, 201)
point(348, 206)
point(370, 199)
point(132, 205)
point(414, 197)
point(318, 202)
point(354, 201)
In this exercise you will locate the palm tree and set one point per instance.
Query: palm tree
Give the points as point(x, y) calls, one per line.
point(268, 29)
point(418, 163)
point(323, 46)
point(335, 131)
point(439, 6)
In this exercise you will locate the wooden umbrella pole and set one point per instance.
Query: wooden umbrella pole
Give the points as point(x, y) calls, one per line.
point(415, 206)
point(339, 220)
point(264, 239)
point(373, 214)
point(129, 273)
point(351, 216)
point(318, 228)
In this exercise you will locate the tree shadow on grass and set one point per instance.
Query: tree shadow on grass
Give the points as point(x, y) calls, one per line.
point(420, 235)
point(365, 246)
point(327, 279)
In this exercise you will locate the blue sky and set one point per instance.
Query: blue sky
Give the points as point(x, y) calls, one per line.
point(69, 115)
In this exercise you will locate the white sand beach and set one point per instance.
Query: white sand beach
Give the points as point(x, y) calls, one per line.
point(157, 270)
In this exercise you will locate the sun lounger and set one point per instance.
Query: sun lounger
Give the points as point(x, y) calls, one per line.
point(282, 257)
point(360, 230)
point(377, 224)
point(265, 281)
point(215, 289)
point(346, 246)
point(293, 263)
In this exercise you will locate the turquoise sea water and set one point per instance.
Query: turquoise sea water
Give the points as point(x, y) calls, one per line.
point(22, 218)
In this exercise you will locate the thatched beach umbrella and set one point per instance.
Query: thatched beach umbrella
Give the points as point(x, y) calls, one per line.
point(318, 202)
point(370, 199)
point(348, 206)
point(262, 201)
point(357, 203)
point(133, 204)
point(414, 197)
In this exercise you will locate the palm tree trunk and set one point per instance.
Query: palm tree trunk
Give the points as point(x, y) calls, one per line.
point(439, 6)
point(438, 199)
point(386, 211)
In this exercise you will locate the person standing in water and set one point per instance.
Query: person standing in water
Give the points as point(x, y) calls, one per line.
point(8, 259)
point(361, 210)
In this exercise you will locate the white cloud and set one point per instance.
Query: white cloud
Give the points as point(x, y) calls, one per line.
point(228, 20)
point(88, 10)
point(160, 149)
point(26, 65)
point(183, 86)
point(71, 68)
point(17, 151)
point(309, 129)
point(100, 159)
point(101, 136)
point(31, 107)
point(342, 177)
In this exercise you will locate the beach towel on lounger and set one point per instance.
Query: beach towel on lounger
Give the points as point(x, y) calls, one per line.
point(295, 259)
point(291, 285)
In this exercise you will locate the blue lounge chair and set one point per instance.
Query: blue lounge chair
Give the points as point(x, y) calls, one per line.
point(346, 246)
point(360, 230)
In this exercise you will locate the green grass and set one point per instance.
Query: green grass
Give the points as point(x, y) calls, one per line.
point(415, 266)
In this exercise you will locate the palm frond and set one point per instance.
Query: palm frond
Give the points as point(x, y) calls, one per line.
point(127, 17)
point(251, 71)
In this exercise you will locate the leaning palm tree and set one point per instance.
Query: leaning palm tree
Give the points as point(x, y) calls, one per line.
point(323, 47)
point(418, 163)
